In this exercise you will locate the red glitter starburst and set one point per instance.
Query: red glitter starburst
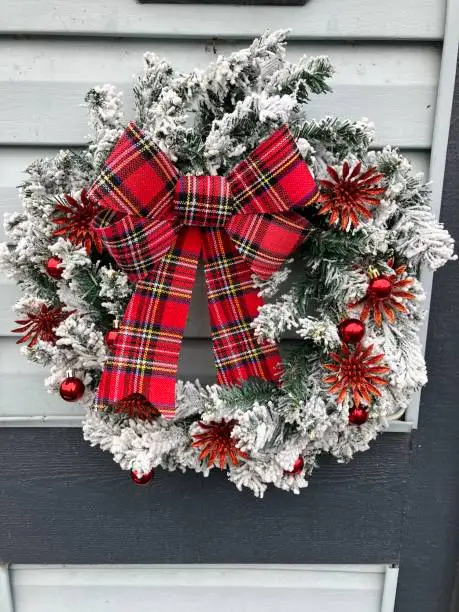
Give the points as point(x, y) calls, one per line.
point(75, 218)
point(136, 406)
point(387, 305)
point(356, 372)
point(217, 444)
point(40, 325)
point(349, 195)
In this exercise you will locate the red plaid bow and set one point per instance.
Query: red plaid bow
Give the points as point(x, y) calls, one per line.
point(156, 225)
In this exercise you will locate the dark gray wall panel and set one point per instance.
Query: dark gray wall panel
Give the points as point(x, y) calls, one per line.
point(430, 547)
point(63, 502)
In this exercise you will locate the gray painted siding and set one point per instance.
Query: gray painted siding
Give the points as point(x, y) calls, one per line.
point(364, 588)
point(44, 81)
point(390, 75)
point(318, 19)
point(64, 502)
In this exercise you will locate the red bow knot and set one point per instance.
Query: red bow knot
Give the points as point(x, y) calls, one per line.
point(156, 224)
point(204, 201)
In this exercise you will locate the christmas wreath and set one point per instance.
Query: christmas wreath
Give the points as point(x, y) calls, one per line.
point(302, 228)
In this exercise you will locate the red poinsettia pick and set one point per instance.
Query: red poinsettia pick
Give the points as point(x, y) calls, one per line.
point(356, 372)
point(75, 218)
point(349, 196)
point(40, 325)
point(217, 444)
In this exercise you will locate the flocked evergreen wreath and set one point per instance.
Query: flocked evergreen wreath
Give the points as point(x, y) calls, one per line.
point(353, 302)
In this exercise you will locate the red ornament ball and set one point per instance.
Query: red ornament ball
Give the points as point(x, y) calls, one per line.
point(111, 336)
point(358, 415)
point(380, 287)
point(351, 331)
point(54, 267)
point(71, 389)
point(297, 467)
point(142, 479)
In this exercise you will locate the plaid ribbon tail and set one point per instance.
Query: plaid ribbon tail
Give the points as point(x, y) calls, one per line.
point(233, 304)
point(146, 354)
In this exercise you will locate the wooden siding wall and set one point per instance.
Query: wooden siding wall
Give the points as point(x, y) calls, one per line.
point(329, 588)
point(387, 56)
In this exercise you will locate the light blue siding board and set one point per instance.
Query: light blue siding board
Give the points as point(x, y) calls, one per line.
point(194, 587)
point(22, 390)
point(47, 121)
point(43, 80)
point(330, 19)
point(43, 83)
point(6, 601)
point(86, 59)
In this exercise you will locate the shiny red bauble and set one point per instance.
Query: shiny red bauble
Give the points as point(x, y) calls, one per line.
point(111, 337)
point(358, 415)
point(71, 389)
point(142, 479)
point(379, 287)
point(351, 331)
point(54, 268)
point(297, 467)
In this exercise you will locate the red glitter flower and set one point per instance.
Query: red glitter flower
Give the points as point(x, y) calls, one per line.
point(357, 372)
point(136, 406)
point(217, 444)
point(350, 196)
point(75, 221)
point(387, 303)
point(40, 325)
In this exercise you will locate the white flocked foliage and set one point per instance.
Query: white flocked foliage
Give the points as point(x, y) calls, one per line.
point(206, 121)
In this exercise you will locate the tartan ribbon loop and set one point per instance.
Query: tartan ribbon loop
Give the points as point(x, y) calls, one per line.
point(157, 225)
point(135, 243)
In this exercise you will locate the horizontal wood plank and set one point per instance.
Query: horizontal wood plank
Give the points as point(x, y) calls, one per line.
point(22, 391)
point(403, 115)
point(49, 588)
point(43, 83)
point(58, 490)
point(405, 19)
point(95, 60)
